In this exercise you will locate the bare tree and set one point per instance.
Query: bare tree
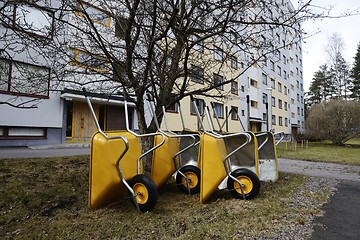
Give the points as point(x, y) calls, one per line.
point(340, 69)
point(162, 46)
point(336, 120)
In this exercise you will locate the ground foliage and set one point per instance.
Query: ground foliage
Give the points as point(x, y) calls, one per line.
point(322, 151)
point(47, 199)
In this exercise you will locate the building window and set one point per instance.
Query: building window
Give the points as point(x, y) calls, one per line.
point(264, 117)
point(197, 74)
point(264, 78)
point(90, 61)
point(22, 132)
point(242, 112)
point(24, 79)
point(279, 87)
point(234, 113)
point(284, 59)
point(242, 88)
point(95, 14)
point(234, 62)
point(285, 90)
point(273, 119)
point(272, 65)
point(253, 83)
point(297, 84)
point(292, 101)
point(280, 103)
point(298, 111)
point(200, 106)
point(198, 45)
point(284, 74)
point(278, 38)
point(31, 19)
point(279, 70)
point(173, 108)
point(273, 101)
point(218, 110)
point(298, 97)
point(286, 122)
point(254, 104)
point(265, 98)
point(120, 27)
point(285, 106)
point(280, 121)
point(273, 83)
point(234, 87)
point(218, 79)
point(218, 54)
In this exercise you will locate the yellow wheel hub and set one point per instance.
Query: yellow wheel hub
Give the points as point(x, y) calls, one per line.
point(193, 179)
point(246, 183)
point(141, 192)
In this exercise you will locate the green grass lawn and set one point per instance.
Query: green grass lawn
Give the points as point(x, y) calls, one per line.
point(47, 199)
point(323, 151)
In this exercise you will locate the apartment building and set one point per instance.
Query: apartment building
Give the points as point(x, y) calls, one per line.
point(266, 95)
point(36, 107)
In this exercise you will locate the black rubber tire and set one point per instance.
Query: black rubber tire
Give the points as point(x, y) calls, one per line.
point(249, 179)
point(149, 193)
point(194, 174)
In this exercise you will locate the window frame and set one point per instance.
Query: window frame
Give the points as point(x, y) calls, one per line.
point(234, 89)
point(234, 62)
point(220, 78)
point(34, 33)
point(221, 107)
point(10, 74)
point(80, 9)
point(6, 136)
point(75, 60)
point(218, 54)
point(200, 104)
point(198, 78)
point(234, 113)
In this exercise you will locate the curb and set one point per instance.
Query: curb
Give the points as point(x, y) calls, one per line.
point(61, 146)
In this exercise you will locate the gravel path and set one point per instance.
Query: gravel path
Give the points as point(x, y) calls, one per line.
point(339, 218)
point(320, 169)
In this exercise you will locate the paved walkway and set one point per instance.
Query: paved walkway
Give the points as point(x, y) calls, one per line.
point(45, 151)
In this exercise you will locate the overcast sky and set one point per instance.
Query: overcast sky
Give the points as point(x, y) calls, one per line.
point(314, 47)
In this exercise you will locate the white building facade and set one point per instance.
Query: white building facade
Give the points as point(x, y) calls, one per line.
point(35, 109)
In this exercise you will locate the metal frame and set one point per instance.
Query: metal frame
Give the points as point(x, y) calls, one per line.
point(226, 160)
point(173, 135)
point(109, 138)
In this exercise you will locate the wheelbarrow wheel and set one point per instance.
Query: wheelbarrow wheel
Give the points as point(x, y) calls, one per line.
point(250, 183)
point(146, 193)
point(193, 175)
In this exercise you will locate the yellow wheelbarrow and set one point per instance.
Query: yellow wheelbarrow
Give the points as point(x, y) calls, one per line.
point(169, 158)
point(116, 167)
point(268, 161)
point(216, 160)
point(265, 147)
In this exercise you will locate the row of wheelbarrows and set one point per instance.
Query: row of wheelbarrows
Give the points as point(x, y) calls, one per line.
point(202, 161)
